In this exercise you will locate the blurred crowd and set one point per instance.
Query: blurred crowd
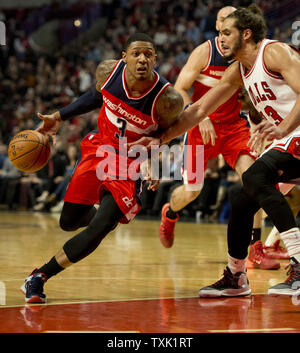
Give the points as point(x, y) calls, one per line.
point(32, 82)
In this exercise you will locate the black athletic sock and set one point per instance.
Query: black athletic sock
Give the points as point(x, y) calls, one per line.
point(50, 268)
point(255, 235)
point(171, 214)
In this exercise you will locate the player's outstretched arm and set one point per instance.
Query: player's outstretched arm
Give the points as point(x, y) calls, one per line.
point(208, 103)
point(87, 102)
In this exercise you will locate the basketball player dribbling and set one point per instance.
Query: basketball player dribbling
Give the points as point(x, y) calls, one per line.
point(267, 69)
point(136, 102)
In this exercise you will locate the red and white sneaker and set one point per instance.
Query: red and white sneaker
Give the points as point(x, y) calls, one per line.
point(166, 228)
point(276, 251)
point(258, 259)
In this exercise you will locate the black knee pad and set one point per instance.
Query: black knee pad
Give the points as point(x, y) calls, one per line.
point(257, 177)
point(250, 182)
point(67, 225)
point(240, 202)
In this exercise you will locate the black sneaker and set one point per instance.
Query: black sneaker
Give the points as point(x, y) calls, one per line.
point(228, 286)
point(291, 286)
point(33, 288)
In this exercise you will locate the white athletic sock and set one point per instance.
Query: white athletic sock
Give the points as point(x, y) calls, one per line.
point(236, 265)
point(291, 239)
point(272, 237)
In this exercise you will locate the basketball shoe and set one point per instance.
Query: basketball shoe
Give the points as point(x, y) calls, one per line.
point(276, 251)
point(166, 228)
point(291, 286)
point(258, 259)
point(33, 288)
point(228, 286)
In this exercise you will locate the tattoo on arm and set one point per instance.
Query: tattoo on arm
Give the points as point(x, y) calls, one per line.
point(169, 106)
point(103, 70)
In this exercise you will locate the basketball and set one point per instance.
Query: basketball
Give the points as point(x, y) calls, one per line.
point(29, 151)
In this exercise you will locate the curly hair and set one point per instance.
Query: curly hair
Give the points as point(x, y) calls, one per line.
point(250, 18)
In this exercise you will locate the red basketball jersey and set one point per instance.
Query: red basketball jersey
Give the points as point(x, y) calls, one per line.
point(209, 77)
point(124, 116)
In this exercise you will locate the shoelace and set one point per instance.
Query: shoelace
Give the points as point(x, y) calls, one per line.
point(293, 273)
point(224, 280)
point(35, 285)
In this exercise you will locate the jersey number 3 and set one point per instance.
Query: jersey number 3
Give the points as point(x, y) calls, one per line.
point(273, 114)
point(122, 128)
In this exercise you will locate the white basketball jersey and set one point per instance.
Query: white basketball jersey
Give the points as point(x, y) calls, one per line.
point(270, 94)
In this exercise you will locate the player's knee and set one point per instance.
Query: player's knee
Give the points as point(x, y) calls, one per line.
point(252, 182)
point(66, 225)
point(97, 231)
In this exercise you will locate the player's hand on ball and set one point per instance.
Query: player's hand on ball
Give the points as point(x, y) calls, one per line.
point(50, 125)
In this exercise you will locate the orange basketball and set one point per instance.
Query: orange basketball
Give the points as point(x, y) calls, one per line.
point(29, 151)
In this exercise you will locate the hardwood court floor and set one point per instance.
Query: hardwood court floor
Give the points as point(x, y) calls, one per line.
point(132, 284)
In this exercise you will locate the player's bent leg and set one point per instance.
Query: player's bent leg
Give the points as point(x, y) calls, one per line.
point(257, 257)
point(180, 197)
point(74, 216)
point(260, 183)
point(272, 247)
point(104, 221)
point(75, 249)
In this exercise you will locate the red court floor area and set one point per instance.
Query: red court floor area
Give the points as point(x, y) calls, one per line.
point(257, 313)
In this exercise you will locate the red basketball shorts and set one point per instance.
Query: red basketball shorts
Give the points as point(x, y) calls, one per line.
point(86, 188)
point(231, 142)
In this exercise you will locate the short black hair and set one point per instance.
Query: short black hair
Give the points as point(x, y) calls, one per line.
point(250, 18)
point(139, 37)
